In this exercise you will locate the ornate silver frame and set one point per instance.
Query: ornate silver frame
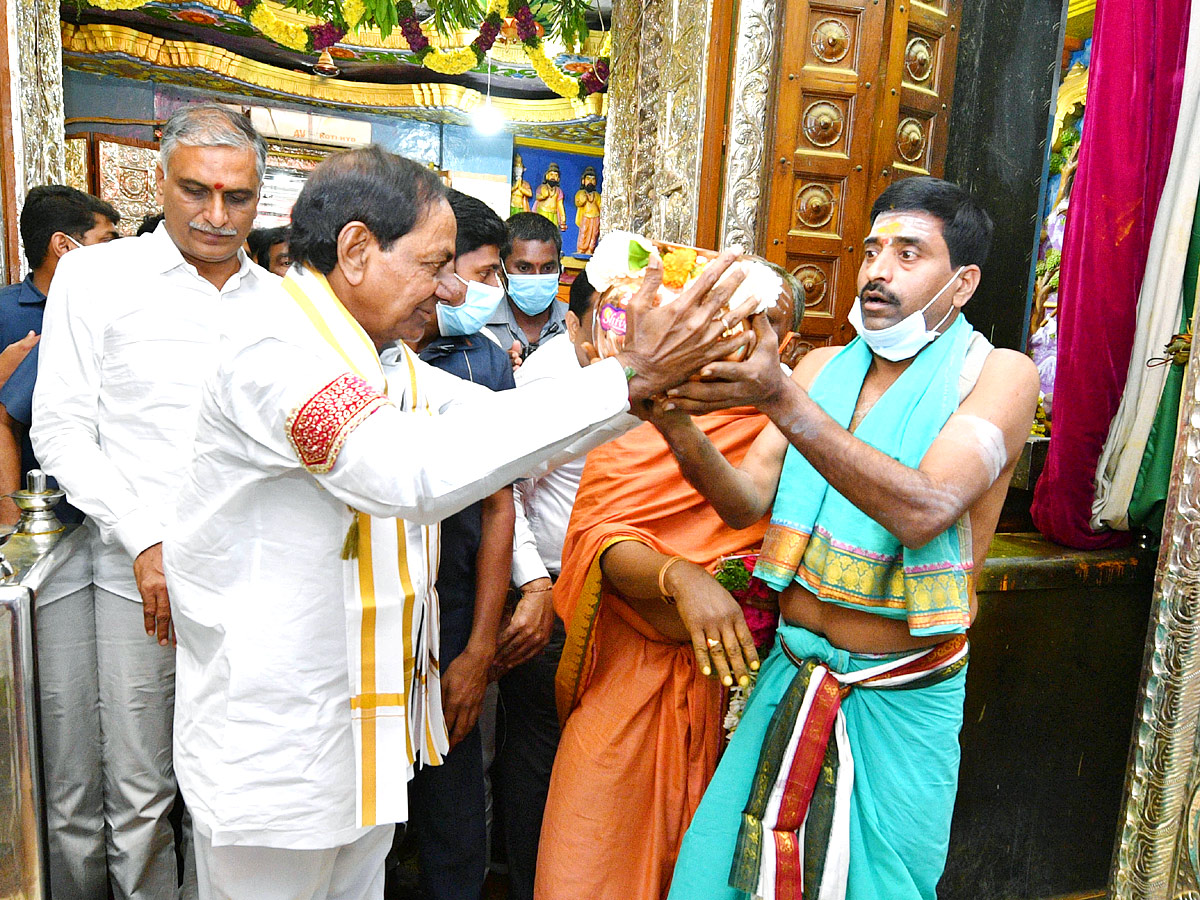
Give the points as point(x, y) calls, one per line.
point(37, 88)
point(656, 126)
point(745, 170)
point(655, 131)
point(1158, 848)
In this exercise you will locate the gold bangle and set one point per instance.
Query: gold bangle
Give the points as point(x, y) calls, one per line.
point(668, 597)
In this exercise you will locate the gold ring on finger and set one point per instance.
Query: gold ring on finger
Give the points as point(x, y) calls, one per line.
point(714, 643)
point(725, 323)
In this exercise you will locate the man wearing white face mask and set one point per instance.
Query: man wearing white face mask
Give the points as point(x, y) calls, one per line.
point(55, 221)
point(884, 469)
point(447, 801)
point(531, 265)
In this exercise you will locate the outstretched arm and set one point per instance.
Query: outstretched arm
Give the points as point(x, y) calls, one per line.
point(978, 445)
point(742, 495)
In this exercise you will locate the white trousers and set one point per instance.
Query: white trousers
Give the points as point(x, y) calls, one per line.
point(350, 872)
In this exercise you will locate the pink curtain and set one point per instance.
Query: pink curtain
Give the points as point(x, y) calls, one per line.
point(1134, 86)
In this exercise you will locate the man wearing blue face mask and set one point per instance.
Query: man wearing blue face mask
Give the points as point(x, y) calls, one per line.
point(532, 312)
point(447, 801)
point(884, 469)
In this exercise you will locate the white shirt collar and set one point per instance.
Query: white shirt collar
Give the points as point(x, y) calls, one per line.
point(166, 256)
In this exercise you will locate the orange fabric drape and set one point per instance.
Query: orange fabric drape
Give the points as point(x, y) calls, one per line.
point(642, 729)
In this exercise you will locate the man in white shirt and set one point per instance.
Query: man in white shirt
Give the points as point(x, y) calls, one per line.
point(546, 500)
point(531, 642)
point(131, 329)
point(303, 559)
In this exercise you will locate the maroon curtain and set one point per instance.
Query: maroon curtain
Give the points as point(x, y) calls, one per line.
point(1134, 87)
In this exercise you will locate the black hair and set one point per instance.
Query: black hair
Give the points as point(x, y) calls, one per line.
point(966, 226)
point(581, 295)
point(261, 240)
point(50, 208)
point(388, 193)
point(150, 221)
point(531, 227)
point(478, 225)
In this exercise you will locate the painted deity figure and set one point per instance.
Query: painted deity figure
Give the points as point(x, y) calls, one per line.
point(521, 191)
point(587, 212)
point(549, 200)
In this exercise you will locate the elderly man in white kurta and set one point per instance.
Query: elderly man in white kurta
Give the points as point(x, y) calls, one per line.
point(303, 560)
point(131, 329)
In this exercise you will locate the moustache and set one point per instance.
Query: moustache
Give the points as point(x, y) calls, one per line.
point(874, 287)
point(210, 229)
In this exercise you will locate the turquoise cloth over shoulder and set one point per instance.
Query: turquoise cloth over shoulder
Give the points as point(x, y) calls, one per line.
point(823, 541)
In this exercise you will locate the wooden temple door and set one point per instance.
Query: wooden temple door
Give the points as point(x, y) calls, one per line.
point(863, 98)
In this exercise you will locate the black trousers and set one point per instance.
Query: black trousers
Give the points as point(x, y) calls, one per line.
point(526, 740)
point(446, 802)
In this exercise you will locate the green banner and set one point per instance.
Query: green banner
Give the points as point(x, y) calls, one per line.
point(1148, 502)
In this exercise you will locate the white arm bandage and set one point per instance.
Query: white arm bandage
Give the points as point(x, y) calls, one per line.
point(982, 436)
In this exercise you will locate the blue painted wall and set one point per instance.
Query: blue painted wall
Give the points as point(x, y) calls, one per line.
point(87, 95)
point(452, 147)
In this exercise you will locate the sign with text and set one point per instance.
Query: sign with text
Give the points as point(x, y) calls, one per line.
point(298, 126)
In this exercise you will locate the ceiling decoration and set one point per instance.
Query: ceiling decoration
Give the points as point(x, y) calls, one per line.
point(516, 53)
point(127, 52)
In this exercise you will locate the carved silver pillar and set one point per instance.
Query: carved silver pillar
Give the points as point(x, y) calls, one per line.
point(753, 74)
point(1158, 855)
point(655, 136)
point(655, 133)
point(34, 59)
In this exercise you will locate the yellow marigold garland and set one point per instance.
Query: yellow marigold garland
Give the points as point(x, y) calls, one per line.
point(451, 62)
point(118, 4)
point(464, 59)
point(562, 84)
point(353, 11)
point(294, 37)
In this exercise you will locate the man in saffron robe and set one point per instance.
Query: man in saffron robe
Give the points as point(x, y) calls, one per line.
point(885, 469)
point(642, 723)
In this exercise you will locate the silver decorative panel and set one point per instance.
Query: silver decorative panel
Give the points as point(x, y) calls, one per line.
point(754, 73)
point(1157, 856)
point(654, 141)
point(35, 68)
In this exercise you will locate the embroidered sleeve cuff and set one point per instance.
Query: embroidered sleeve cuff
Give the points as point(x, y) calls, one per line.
point(319, 426)
point(138, 530)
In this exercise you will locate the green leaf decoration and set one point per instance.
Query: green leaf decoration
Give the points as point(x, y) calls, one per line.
point(450, 15)
point(639, 257)
point(732, 575)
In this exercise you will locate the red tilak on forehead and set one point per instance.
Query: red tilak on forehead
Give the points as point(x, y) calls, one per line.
point(219, 186)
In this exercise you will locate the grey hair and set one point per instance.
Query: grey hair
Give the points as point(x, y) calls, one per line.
point(211, 125)
point(794, 286)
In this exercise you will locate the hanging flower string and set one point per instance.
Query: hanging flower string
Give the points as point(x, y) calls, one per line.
point(303, 38)
point(353, 13)
point(451, 62)
point(557, 80)
point(761, 612)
